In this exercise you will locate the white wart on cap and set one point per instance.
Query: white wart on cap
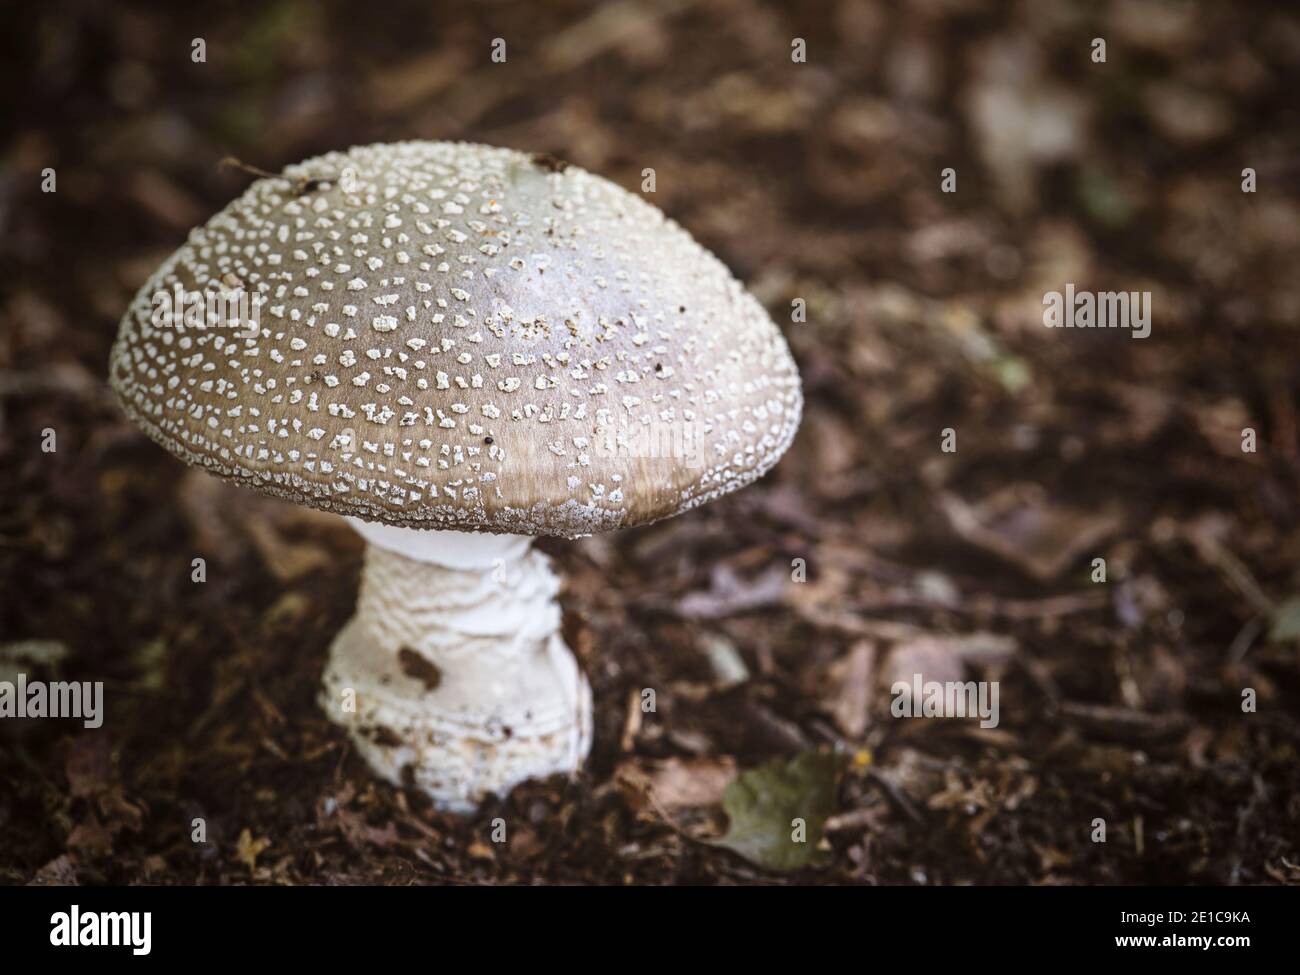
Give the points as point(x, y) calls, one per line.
point(465, 338)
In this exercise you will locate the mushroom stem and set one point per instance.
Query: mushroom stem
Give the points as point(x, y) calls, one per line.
point(454, 666)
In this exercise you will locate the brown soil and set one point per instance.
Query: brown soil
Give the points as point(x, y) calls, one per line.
point(1120, 700)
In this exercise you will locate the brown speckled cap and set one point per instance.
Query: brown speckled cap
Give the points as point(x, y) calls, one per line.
point(460, 337)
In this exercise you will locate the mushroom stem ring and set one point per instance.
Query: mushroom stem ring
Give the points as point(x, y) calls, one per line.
point(452, 675)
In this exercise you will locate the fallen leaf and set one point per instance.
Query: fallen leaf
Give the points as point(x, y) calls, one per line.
point(724, 659)
point(26, 656)
point(687, 783)
point(418, 80)
point(1022, 120)
point(851, 685)
point(164, 199)
point(1187, 115)
point(728, 593)
point(288, 558)
point(33, 653)
point(91, 836)
point(767, 805)
point(613, 25)
point(926, 655)
point(1018, 524)
point(1286, 622)
point(358, 832)
point(89, 765)
point(247, 849)
point(59, 872)
point(524, 844)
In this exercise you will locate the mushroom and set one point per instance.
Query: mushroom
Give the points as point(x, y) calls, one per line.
point(458, 348)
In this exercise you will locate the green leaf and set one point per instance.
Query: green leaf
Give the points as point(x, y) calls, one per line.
point(1011, 371)
point(764, 804)
point(1286, 622)
point(1103, 197)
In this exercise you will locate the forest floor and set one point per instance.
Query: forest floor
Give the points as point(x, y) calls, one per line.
point(1162, 702)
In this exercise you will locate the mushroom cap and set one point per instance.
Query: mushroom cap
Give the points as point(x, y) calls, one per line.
point(459, 337)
